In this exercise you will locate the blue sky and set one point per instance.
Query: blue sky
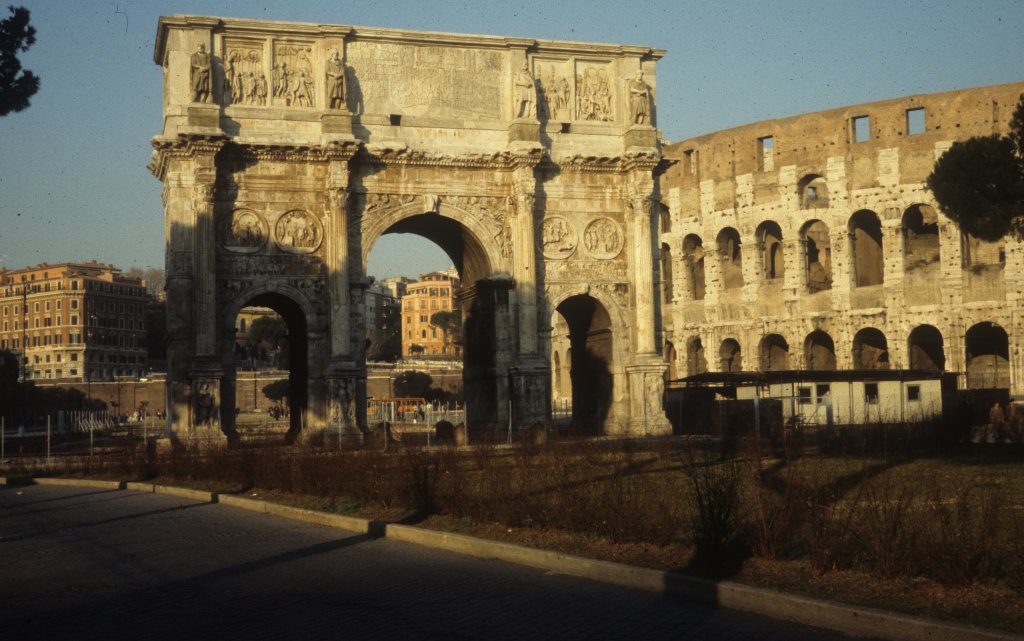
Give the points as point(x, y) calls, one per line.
point(73, 182)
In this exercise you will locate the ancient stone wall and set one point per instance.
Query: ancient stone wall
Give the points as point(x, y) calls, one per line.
point(812, 242)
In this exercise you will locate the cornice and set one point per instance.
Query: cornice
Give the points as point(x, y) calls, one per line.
point(395, 36)
point(182, 146)
point(628, 162)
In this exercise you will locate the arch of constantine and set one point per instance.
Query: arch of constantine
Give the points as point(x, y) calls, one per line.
point(288, 149)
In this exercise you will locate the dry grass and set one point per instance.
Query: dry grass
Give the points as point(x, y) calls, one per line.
point(938, 536)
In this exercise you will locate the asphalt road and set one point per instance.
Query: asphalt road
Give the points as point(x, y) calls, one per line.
point(81, 563)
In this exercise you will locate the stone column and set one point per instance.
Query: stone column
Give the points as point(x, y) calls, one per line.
point(647, 371)
point(530, 374)
point(345, 395)
point(205, 265)
point(524, 268)
point(638, 218)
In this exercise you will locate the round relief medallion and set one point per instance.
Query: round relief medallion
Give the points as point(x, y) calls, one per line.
point(603, 238)
point(558, 238)
point(298, 232)
point(244, 232)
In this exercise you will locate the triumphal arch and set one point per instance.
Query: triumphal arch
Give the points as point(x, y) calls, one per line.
point(288, 149)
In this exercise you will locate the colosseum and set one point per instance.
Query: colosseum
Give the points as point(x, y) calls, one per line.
point(813, 243)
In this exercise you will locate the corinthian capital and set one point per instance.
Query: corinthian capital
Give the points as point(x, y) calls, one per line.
point(337, 198)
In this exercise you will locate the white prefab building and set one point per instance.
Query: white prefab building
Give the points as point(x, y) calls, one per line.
point(848, 397)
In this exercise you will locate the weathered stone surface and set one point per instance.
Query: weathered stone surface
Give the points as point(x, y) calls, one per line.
point(275, 196)
point(809, 247)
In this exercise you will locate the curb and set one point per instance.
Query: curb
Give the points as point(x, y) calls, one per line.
point(170, 490)
point(860, 621)
point(104, 485)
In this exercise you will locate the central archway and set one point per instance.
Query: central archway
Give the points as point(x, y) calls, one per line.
point(484, 300)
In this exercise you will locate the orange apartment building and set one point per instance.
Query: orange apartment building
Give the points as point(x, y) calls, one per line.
point(432, 293)
point(74, 321)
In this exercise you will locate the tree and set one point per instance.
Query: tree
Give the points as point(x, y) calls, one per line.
point(277, 391)
point(451, 326)
point(412, 384)
point(16, 85)
point(979, 182)
point(387, 347)
point(269, 335)
point(154, 277)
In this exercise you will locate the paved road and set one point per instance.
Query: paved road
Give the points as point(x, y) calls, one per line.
point(81, 563)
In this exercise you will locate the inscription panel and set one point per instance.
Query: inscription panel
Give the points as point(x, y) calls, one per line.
point(437, 81)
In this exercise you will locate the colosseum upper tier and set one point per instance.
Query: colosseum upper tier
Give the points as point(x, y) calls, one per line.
point(813, 243)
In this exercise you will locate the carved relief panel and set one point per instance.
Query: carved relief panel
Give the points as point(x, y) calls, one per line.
point(603, 238)
point(554, 89)
point(421, 80)
point(245, 74)
point(243, 232)
point(298, 232)
point(293, 82)
point(594, 91)
point(558, 238)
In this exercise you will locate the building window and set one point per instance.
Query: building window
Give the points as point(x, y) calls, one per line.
point(915, 122)
point(822, 390)
point(74, 303)
point(861, 128)
point(804, 395)
point(765, 153)
point(871, 393)
point(913, 393)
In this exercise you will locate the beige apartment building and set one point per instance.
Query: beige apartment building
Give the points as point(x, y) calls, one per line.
point(432, 293)
point(74, 321)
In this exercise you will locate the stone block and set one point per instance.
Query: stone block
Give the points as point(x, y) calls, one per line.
point(524, 131)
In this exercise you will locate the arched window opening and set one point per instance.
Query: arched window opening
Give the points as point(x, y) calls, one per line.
point(670, 360)
point(920, 238)
point(769, 241)
point(819, 351)
point(696, 363)
point(817, 255)
point(730, 258)
point(870, 349)
point(988, 356)
point(729, 356)
point(693, 260)
point(926, 349)
point(866, 238)
point(774, 353)
point(812, 191)
point(666, 273)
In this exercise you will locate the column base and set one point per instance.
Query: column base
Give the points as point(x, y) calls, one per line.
point(646, 398)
